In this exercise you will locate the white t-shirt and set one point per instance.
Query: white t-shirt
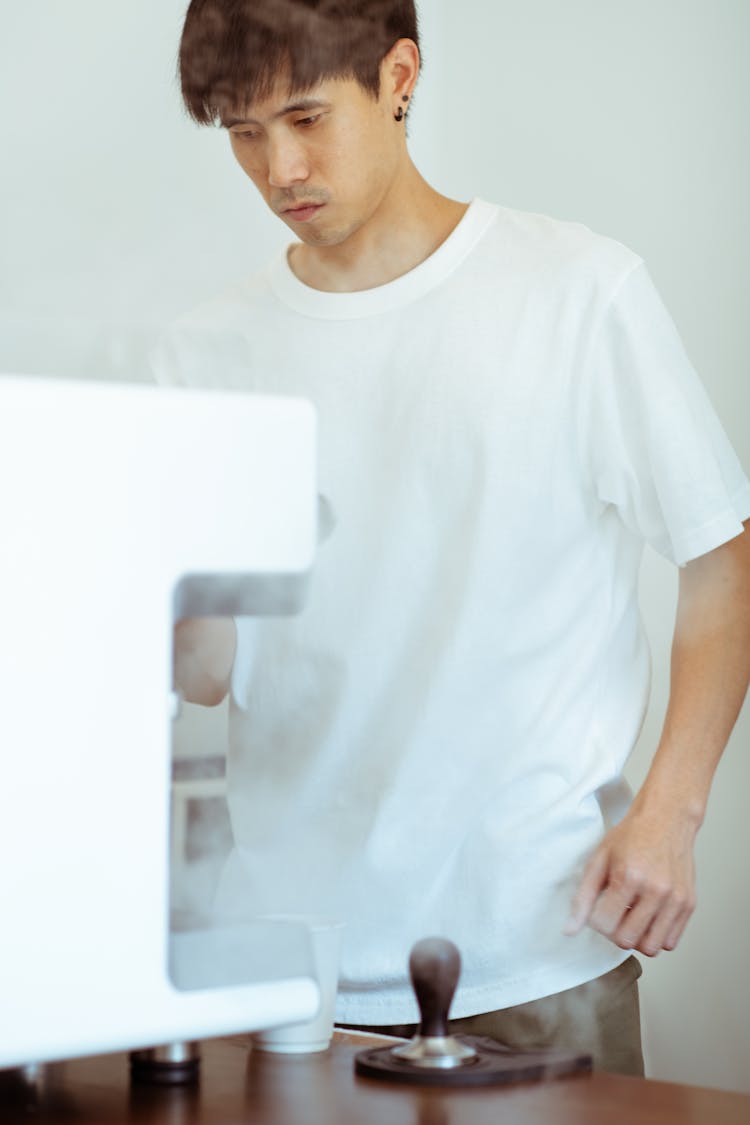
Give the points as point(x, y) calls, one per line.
point(421, 750)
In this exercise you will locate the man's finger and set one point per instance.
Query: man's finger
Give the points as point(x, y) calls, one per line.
point(633, 924)
point(613, 908)
point(677, 930)
point(652, 940)
point(593, 881)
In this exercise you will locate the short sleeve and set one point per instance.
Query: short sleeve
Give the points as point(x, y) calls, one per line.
point(653, 444)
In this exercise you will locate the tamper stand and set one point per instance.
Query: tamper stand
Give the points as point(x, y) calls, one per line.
point(434, 1057)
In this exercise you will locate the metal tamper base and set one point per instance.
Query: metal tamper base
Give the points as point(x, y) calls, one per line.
point(434, 1057)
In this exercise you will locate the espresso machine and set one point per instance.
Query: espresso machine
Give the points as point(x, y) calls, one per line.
point(122, 509)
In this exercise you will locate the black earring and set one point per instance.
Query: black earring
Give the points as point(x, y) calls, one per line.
point(400, 115)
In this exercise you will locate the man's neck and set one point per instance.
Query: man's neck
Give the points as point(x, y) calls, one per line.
point(408, 228)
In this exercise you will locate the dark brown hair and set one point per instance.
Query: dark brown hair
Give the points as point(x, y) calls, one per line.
point(232, 51)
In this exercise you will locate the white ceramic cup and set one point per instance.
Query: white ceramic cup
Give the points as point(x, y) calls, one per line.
point(315, 1034)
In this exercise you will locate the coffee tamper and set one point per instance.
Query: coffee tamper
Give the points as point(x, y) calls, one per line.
point(434, 1057)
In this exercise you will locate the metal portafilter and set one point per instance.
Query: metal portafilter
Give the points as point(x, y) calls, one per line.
point(434, 1057)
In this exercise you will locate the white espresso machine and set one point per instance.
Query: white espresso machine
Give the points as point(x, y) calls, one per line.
point(121, 508)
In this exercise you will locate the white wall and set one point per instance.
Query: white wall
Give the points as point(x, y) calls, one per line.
point(116, 213)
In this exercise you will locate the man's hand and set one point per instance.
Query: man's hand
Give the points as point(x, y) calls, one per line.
point(638, 889)
point(204, 651)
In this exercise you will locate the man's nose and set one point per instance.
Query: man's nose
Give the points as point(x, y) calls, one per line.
point(287, 163)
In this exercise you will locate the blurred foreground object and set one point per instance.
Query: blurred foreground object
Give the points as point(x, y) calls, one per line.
point(124, 508)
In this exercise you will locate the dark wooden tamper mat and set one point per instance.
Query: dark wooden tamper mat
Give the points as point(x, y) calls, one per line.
point(434, 1057)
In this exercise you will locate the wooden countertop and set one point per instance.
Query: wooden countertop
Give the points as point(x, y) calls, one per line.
point(242, 1086)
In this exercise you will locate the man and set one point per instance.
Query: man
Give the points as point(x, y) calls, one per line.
point(506, 416)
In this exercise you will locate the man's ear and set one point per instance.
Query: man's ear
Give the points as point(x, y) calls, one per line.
point(399, 72)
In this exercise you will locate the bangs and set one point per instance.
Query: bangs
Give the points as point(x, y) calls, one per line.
point(234, 52)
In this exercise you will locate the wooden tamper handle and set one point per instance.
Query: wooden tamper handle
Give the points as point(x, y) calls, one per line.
point(434, 967)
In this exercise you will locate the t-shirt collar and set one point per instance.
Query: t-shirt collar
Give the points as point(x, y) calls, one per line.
point(394, 294)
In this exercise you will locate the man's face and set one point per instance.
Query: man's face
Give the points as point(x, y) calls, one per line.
point(324, 160)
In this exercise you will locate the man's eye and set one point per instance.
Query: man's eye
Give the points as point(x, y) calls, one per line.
point(306, 122)
point(246, 136)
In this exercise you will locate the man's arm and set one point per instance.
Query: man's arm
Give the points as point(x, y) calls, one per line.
point(638, 889)
point(204, 649)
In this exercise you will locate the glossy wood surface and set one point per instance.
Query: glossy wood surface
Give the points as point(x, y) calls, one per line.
point(242, 1086)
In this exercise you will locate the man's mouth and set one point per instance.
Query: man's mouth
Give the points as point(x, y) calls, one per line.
point(301, 213)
